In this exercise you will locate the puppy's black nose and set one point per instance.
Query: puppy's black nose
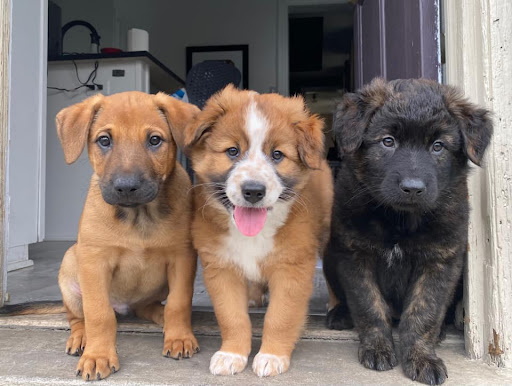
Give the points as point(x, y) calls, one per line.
point(413, 186)
point(127, 184)
point(253, 191)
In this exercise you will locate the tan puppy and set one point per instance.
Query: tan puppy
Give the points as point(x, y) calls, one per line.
point(263, 206)
point(134, 248)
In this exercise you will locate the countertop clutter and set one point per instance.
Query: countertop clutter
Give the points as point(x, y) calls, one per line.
point(161, 77)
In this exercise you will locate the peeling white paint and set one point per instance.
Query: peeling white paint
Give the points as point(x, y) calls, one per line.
point(479, 59)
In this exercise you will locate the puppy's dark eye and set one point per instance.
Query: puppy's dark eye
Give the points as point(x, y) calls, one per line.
point(104, 141)
point(437, 146)
point(388, 142)
point(155, 140)
point(233, 152)
point(277, 155)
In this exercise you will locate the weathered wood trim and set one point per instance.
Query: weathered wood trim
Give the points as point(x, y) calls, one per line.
point(396, 39)
point(479, 60)
point(5, 37)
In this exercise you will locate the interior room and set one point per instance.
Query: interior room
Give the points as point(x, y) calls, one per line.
point(110, 46)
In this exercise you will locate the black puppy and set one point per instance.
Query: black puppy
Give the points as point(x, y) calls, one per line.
point(400, 217)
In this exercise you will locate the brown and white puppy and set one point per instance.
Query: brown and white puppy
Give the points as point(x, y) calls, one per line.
point(134, 247)
point(262, 214)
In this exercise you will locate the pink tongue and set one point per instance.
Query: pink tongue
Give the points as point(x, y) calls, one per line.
point(250, 221)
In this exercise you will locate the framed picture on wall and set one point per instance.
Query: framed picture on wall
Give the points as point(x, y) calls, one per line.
point(238, 55)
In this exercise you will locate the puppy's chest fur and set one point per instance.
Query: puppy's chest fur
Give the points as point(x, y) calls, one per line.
point(248, 253)
point(144, 220)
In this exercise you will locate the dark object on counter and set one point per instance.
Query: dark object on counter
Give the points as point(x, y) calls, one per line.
point(206, 78)
point(95, 37)
point(54, 29)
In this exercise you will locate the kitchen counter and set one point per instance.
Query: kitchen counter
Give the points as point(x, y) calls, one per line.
point(162, 78)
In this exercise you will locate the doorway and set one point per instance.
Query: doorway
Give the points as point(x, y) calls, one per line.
point(320, 61)
point(270, 29)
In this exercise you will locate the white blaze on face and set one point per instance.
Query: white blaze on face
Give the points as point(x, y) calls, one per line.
point(255, 166)
point(248, 252)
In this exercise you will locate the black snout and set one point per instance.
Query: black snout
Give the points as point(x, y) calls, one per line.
point(129, 189)
point(127, 184)
point(412, 186)
point(253, 191)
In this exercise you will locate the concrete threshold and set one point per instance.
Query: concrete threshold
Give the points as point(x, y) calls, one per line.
point(203, 323)
point(32, 353)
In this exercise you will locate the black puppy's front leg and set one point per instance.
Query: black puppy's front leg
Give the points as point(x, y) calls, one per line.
point(422, 319)
point(370, 313)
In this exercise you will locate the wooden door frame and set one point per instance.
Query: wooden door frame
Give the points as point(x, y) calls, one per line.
point(376, 48)
point(5, 40)
point(479, 61)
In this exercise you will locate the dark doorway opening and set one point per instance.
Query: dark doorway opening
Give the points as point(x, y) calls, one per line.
point(321, 41)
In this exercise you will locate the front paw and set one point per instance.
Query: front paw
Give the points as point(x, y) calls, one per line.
point(227, 363)
point(182, 347)
point(339, 318)
point(379, 355)
point(265, 365)
point(97, 365)
point(425, 368)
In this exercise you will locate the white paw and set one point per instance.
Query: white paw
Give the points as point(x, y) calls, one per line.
point(269, 364)
point(227, 363)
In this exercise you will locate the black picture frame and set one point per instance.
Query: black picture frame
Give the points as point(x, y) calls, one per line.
point(243, 48)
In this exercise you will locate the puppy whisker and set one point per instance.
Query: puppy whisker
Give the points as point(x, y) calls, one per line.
point(218, 194)
point(289, 194)
point(207, 184)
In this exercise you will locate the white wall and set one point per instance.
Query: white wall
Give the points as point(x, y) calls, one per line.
point(173, 25)
point(27, 110)
point(27, 107)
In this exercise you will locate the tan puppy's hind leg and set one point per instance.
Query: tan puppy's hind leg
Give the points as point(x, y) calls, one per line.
point(77, 340)
point(72, 298)
point(152, 311)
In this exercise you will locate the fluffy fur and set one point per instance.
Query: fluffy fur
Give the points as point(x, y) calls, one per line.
point(400, 217)
point(298, 196)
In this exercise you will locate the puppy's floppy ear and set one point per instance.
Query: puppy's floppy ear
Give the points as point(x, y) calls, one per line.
point(214, 108)
point(475, 123)
point(73, 124)
point(195, 131)
point(178, 115)
point(311, 141)
point(353, 114)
